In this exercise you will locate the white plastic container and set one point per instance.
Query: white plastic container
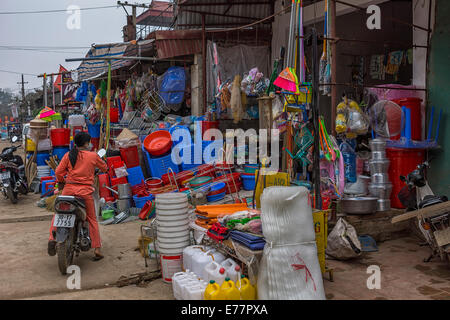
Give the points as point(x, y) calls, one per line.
point(214, 271)
point(230, 267)
point(177, 280)
point(188, 253)
point(194, 291)
point(201, 259)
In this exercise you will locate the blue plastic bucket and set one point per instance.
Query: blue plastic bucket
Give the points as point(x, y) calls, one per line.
point(248, 181)
point(250, 168)
point(60, 152)
point(94, 130)
point(139, 202)
point(41, 157)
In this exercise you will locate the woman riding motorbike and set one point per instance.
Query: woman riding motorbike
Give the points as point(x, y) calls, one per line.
point(76, 172)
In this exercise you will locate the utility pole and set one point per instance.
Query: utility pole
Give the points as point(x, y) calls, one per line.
point(133, 13)
point(24, 103)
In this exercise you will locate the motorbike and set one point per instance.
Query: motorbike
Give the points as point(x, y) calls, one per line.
point(72, 227)
point(12, 173)
point(417, 194)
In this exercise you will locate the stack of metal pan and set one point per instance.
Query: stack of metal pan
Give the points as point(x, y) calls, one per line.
point(380, 185)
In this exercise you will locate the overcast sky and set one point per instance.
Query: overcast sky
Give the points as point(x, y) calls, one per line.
point(50, 29)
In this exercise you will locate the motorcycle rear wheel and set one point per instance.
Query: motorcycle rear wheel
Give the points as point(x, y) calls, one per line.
point(64, 251)
point(11, 195)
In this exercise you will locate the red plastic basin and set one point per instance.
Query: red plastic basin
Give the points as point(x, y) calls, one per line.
point(158, 143)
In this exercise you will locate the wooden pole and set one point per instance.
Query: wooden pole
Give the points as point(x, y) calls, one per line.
point(334, 100)
point(204, 62)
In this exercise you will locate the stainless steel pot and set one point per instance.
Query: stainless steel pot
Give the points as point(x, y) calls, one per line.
point(378, 155)
point(123, 204)
point(359, 205)
point(380, 190)
point(383, 205)
point(124, 191)
point(377, 145)
point(379, 166)
point(380, 178)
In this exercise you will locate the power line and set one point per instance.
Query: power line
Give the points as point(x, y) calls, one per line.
point(42, 47)
point(39, 50)
point(52, 11)
point(15, 72)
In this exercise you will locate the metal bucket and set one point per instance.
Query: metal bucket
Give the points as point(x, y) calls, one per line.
point(379, 166)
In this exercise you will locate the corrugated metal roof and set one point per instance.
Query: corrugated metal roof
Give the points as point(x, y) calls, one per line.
point(96, 68)
point(176, 43)
point(221, 12)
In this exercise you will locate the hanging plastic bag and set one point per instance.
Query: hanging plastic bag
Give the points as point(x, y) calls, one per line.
point(173, 85)
point(343, 242)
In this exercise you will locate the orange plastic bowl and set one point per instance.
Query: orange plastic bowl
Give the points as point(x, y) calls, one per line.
point(158, 143)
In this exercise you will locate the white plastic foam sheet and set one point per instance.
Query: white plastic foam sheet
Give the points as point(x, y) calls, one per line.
point(289, 268)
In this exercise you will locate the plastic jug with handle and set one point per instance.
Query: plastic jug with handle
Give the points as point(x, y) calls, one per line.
point(230, 266)
point(247, 291)
point(214, 271)
point(213, 291)
point(194, 291)
point(200, 260)
point(178, 280)
point(188, 253)
point(229, 291)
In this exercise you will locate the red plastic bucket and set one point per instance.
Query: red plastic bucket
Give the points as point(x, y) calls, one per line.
point(413, 104)
point(130, 156)
point(402, 162)
point(114, 115)
point(60, 137)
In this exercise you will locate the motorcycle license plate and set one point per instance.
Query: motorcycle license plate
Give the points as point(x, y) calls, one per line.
point(5, 175)
point(64, 220)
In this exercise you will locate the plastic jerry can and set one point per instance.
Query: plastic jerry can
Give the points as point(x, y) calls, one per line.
point(188, 253)
point(213, 291)
point(185, 286)
point(247, 291)
point(178, 279)
point(232, 269)
point(214, 271)
point(229, 291)
point(195, 291)
point(200, 260)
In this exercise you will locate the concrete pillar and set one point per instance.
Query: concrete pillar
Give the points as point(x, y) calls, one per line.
point(196, 86)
